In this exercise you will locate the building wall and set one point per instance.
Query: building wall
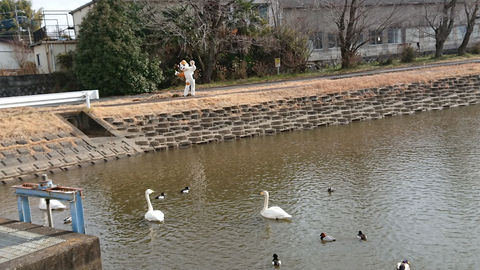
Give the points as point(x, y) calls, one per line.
point(46, 54)
point(7, 59)
point(409, 27)
point(78, 17)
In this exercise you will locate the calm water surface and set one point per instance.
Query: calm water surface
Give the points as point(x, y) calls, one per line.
point(411, 183)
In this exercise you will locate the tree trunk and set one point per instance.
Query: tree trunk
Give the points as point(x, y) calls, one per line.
point(210, 61)
point(463, 47)
point(471, 16)
point(446, 24)
point(348, 60)
point(439, 48)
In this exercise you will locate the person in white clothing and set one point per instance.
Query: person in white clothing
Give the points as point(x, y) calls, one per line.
point(187, 71)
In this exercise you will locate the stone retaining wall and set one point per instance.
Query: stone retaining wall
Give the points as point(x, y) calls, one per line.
point(26, 159)
point(25, 85)
point(145, 133)
point(183, 129)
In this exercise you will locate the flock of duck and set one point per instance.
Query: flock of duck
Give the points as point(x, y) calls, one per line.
point(403, 265)
point(273, 212)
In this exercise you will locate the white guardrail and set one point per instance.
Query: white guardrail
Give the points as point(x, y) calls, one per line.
point(48, 99)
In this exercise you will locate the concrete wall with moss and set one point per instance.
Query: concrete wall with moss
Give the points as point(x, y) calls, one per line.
point(25, 85)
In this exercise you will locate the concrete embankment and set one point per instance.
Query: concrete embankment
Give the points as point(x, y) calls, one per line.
point(30, 246)
point(162, 131)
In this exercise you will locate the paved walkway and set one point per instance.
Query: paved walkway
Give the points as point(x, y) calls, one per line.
point(275, 84)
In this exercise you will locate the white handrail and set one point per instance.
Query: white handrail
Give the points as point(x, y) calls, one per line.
point(48, 99)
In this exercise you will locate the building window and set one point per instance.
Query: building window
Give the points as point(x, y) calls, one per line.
point(263, 11)
point(461, 31)
point(317, 41)
point(412, 35)
point(376, 38)
point(38, 59)
point(332, 40)
point(394, 36)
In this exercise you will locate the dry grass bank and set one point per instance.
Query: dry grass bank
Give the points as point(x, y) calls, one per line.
point(24, 123)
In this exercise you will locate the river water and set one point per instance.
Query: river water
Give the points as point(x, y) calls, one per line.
point(411, 183)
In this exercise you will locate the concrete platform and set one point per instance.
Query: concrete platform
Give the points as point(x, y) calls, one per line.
point(34, 247)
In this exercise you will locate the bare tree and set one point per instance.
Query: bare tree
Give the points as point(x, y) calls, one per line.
point(21, 53)
point(441, 23)
point(356, 18)
point(471, 8)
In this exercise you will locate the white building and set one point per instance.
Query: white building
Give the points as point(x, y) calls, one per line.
point(9, 60)
point(46, 52)
point(408, 25)
point(79, 13)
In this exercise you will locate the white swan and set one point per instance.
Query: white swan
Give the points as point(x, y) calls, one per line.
point(404, 265)
point(54, 204)
point(273, 212)
point(327, 238)
point(152, 215)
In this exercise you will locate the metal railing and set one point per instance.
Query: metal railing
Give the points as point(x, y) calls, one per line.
point(49, 99)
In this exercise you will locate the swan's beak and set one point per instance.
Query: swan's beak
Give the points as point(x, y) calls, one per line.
point(153, 191)
point(261, 193)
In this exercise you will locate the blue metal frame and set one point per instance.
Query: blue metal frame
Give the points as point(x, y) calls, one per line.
point(47, 190)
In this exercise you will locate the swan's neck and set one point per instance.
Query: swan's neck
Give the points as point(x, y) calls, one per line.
point(150, 208)
point(265, 205)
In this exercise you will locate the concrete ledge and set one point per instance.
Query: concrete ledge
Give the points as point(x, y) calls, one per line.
point(77, 252)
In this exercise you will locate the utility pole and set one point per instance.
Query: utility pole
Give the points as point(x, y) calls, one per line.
point(16, 20)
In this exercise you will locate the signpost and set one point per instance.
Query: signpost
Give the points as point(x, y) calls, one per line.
point(277, 65)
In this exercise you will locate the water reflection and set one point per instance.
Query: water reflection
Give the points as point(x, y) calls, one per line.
point(408, 182)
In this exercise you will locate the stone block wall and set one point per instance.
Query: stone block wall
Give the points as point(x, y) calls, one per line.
point(183, 129)
point(24, 159)
point(25, 85)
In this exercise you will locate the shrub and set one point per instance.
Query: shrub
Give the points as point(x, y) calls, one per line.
point(385, 59)
point(475, 49)
point(351, 60)
point(240, 69)
point(260, 69)
point(220, 73)
point(282, 42)
point(65, 60)
point(407, 53)
point(65, 81)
